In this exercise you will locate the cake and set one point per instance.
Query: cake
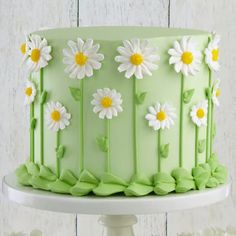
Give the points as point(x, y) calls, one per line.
point(121, 110)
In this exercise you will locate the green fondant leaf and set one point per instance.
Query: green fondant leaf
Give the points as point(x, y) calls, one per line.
point(33, 123)
point(180, 172)
point(201, 146)
point(60, 151)
point(82, 188)
point(68, 177)
point(75, 93)
point(141, 179)
point(201, 175)
point(102, 143)
point(59, 187)
point(32, 168)
point(164, 183)
point(138, 190)
point(43, 97)
point(184, 185)
point(21, 170)
point(212, 182)
point(221, 174)
point(105, 189)
point(113, 179)
point(213, 162)
point(208, 93)
point(47, 174)
point(39, 183)
point(23, 176)
point(187, 96)
point(140, 97)
point(165, 150)
point(88, 177)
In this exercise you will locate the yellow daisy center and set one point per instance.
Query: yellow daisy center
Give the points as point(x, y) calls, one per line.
point(217, 92)
point(215, 54)
point(23, 48)
point(136, 59)
point(28, 91)
point(80, 59)
point(106, 102)
point(187, 57)
point(200, 113)
point(161, 115)
point(56, 115)
point(35, 55)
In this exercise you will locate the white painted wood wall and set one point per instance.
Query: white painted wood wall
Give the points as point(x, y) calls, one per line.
point(22, 16)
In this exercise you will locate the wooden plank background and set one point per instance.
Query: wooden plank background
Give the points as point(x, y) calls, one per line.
point(19, 17)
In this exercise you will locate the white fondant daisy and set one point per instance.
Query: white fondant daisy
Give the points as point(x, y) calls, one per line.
point(160, 116)
point(30, 92)
point(57, 116)
point(24, 48)
point(137, 57)
point(39, 53)
point(216, 92)
point(82, 58)
point(107, 102)
point(199, 113)
point(212, 53)
point(185, 56)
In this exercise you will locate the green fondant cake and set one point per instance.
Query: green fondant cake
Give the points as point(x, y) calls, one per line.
point(124, 110)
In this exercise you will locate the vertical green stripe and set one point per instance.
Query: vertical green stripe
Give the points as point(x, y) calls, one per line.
point(159, 150)
point(136, 164)
point(82, 125)
point(31, 133)
point(208, 116)
point(41, 120)
point(57, 146)
point(211, 133)
point(196, 144)
point(181, 123)
point(108, 161)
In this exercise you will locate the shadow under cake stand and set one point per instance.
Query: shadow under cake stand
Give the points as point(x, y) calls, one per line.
point(118, 213)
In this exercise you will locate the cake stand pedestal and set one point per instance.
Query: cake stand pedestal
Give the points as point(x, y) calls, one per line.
point(118, 213)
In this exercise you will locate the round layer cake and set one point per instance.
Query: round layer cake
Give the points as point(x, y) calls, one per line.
point(121, 110)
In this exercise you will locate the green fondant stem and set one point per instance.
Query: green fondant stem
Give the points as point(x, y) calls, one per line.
point(181, 123)
point(159, 150)
point(108, 160)
point(81, 126)
point(41, 120)
point(211, 134)
point(31, 133)
point(208, 117)
point(136, 164)
point(57, 146)
point(196, 145)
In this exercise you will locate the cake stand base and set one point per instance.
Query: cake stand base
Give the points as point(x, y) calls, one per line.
point(118, 211)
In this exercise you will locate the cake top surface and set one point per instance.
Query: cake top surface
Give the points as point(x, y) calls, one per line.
point(114, 33)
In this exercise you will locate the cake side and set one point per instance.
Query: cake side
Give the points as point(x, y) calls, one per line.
point(125, 153)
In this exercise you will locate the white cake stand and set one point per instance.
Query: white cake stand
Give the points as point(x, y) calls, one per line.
point(118, 213)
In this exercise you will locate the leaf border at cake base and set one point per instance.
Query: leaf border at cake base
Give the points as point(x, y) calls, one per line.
point(22, 175)
point(139, 186)
point(86, 183)
point(163, 183)
point(110, 184)
point(68, 177)
point(184, 180)
point(39, 183)
point(59, 187)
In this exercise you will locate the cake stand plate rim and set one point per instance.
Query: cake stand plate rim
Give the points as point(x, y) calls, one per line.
point(115, 205)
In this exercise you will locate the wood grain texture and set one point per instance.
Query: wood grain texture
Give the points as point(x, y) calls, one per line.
point(124, 12)
point(18, 18)
point(216, 16)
